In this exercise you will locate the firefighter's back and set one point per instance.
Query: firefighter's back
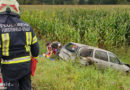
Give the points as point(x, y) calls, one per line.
point(17, 41)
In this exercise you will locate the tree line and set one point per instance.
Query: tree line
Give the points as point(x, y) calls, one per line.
point(82, 2)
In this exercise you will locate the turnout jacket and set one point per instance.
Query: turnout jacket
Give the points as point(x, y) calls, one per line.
point(17, 43)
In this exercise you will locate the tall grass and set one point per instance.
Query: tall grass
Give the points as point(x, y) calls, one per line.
point(60, 75)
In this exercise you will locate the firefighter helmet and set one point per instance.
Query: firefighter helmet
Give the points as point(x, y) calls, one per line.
point(13, 5)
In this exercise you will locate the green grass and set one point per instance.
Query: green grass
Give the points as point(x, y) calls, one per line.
point(123, 54)
point(60, 75)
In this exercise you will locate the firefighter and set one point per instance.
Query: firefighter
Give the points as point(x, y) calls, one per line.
point(17, 43)
point(52, 49)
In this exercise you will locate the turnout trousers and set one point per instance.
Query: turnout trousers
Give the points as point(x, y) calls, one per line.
point(17, 76)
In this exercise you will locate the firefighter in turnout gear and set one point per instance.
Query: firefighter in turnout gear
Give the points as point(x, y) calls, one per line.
point(17, 43)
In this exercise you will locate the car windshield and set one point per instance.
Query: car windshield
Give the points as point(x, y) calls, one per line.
point(84, 52)
point(113, 58)
point(101, 55)
point(71, 47)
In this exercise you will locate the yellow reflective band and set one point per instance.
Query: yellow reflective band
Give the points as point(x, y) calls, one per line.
point(0, 45)
point(5, 44)
point(28, 41)
point(27, 48)
point(28, 38)
point(34, 37)
point(34, 40)
point(16, 60)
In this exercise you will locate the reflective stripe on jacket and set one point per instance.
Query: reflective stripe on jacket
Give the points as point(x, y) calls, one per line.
point(16, 38)
point(16, 60)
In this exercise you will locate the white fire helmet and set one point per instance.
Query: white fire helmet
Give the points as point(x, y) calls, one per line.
point(12, 4)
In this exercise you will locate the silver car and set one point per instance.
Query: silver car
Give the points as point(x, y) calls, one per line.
point(89, 55)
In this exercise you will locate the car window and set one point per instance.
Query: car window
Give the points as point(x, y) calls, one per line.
point(71, 47)
point(113, 58)
point(86, 52)
point(101, 55)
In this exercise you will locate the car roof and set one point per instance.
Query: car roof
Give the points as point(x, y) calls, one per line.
point(90, 47)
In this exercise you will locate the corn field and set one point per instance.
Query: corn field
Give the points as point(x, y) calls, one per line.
point(102, 26)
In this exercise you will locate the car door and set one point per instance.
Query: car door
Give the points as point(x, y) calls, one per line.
point(101, 58)
point(83, 54)
point(114, 62)
point(63, 54)
point(68, 52)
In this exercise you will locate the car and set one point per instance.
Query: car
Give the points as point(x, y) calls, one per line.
point(89, 55)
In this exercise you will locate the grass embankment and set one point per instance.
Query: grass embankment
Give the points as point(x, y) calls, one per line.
point(61, 75)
